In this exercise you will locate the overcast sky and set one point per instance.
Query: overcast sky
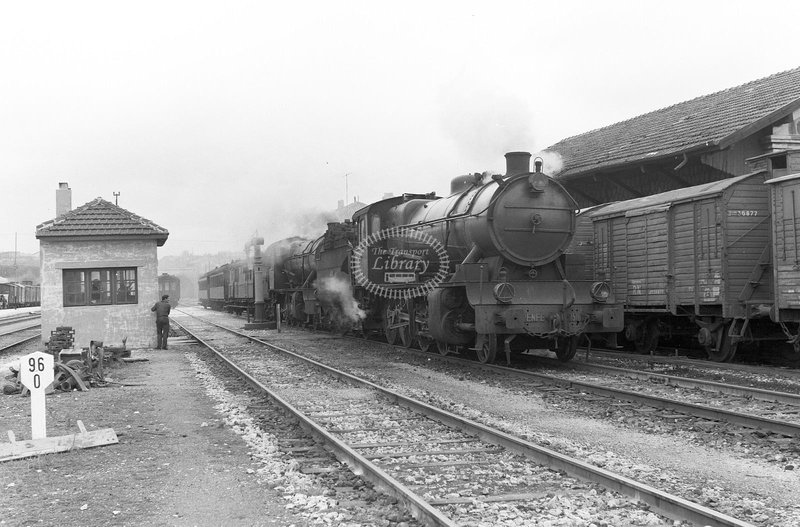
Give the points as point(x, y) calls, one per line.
point(219, 119)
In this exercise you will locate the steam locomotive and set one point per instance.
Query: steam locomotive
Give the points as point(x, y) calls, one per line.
point(484, 269)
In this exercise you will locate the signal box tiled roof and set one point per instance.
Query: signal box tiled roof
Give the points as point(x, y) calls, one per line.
point(712, 121)
point(99, 218)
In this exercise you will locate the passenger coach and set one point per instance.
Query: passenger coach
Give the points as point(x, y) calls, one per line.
point(170, 285)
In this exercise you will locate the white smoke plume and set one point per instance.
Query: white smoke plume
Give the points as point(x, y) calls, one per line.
point(485, 123)
point(291, 218)
point(553, 162)
point(337, 293)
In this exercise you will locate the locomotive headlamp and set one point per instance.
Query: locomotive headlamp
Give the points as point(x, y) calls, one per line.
point(503, 292)
point(600, 292)
point(537, 181)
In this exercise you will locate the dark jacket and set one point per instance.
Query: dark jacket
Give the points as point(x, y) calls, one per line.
point(161, 308)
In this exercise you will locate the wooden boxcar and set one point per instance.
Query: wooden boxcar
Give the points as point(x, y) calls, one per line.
point(9, 295)
point(31, 294)
point(690, 262)
point(785, 212)
point(14, 295)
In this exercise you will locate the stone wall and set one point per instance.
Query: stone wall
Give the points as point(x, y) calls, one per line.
point(107, 323)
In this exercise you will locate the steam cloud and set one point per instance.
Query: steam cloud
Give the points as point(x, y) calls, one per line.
point(553, 162)
point(336, 292)
point(291, 219)
point(485, 124)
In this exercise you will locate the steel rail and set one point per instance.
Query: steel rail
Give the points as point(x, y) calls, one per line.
point(6, 321)
point(420, 509)
point(696, 410)
point(692, 409)
point(694, 363)
point(665, 503)
point(23, 341)
point(20, 329)
point(687, 382)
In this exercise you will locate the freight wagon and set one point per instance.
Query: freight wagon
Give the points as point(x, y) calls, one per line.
point(692, 265)
point(15, 295)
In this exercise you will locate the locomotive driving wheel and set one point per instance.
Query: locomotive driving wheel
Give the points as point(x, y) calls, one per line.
point(567, 347)
point(391, 316)
point(487, 350)
point(406, 331)
point(445, 348)
point(424, 342)
point(421, 327)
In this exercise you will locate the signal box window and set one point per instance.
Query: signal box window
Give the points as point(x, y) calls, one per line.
point(98, 287)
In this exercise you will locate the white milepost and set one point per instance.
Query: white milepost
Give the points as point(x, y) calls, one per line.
point(36, 374)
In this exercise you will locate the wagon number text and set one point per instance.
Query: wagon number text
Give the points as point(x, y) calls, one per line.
point(742, 213)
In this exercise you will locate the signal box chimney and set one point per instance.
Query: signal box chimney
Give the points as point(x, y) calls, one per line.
point(63, 199)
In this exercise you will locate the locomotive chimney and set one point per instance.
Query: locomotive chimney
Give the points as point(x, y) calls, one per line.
point(518, 163)
point(63, 199)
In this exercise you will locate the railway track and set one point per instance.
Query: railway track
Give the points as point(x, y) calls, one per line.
point(418, 453)
point(680, 361)
point(711, 403)
point(676, 398)
point(16, 322)
point(19, 315)
point(680, 395)
point(18, 337)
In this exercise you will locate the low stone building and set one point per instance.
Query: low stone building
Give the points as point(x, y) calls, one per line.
point(99, 270)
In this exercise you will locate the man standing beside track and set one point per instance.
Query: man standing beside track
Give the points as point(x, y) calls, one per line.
point(162, 322)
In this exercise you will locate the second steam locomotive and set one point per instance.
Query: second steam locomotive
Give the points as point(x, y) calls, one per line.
point(485, 268)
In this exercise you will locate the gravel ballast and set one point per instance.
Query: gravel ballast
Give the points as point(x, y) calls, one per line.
point(177, 463)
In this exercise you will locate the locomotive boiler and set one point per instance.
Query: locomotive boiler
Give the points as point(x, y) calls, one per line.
point(508, 285)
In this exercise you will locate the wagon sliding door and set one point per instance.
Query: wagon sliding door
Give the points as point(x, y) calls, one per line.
point(786, 213)
point(647, 260)
point(708, 247)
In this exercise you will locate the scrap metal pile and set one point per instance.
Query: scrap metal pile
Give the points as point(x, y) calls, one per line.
point(75, 369)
